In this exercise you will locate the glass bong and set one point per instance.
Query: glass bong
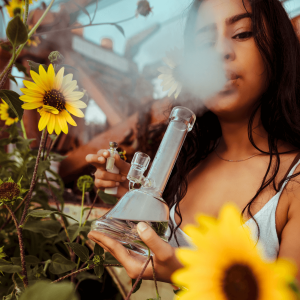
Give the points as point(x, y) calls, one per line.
point(146, 203)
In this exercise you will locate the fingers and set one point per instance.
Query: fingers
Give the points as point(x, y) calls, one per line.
point(162, 250)
point(104, 175)
point(122, 165)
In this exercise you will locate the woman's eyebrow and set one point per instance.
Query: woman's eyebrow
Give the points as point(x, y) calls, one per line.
point(228, 21)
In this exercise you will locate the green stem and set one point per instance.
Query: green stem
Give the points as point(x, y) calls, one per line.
point(26, 11)
point(17, 53)
point(82, 201)
point(23, 130)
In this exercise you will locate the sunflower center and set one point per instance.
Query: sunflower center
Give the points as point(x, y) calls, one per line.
point(9, 190)
point(54, 98)
point(11, 113)
point(239, 283)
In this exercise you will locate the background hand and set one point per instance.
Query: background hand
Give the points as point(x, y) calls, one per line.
point(104, 179)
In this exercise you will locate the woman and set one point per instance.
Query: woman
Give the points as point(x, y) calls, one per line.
point(243, 147)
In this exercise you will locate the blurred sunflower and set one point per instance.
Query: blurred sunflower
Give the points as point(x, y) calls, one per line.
point(16, 7)
point(7, 114)
point(55, 97)
point(226, 264)
point(170, 73)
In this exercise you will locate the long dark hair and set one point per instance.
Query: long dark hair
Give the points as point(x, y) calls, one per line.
point(279, 105)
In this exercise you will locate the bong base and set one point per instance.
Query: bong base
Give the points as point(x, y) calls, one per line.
point(125, 232)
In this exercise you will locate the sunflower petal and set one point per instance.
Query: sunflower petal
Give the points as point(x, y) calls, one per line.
point(56, 126)
point(32, 86)
point(27, 98)
point(69, 88)
point(74, 111)
point(33, 105)
point(51, 76)
point(75, 96)
point(51, 123)
point(43, 121)
point(77, 104)
point(66, 80)
point(37, 79)
point(32, 93)
point(59, 78)
point(62, 123)
point(44, 77)
point(68, 118)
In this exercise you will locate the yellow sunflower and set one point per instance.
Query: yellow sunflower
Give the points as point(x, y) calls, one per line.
point(55, 98)
point(16, 7)
point(226, 265)
point(7, 114)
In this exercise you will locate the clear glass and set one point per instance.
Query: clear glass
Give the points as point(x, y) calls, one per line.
point(146, 204)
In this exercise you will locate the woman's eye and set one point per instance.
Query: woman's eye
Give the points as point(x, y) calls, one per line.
point(243, 35)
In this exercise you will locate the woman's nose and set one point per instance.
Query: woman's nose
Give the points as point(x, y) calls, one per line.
point(225, 48)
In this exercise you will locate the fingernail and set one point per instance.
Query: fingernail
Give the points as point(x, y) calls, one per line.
point(100, 158)
point(141, 227)
point(105, 153)
point(117, 183)
point(123, 178)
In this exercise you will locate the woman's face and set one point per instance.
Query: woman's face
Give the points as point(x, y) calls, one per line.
point(226, 27)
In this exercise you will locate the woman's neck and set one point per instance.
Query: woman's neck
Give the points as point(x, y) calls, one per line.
point(234, 143)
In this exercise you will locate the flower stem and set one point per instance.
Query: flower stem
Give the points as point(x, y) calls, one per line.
point(82, 201)
point(74, 273)
point(16, 54)
point(43, 140)
point(21, 245)
point(138, 279)
point(154, 277)
point(91, 208)
point(23, 130)
point(26, 11)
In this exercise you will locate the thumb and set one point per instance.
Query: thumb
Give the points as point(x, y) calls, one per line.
point(153, 241)
point(122, 165)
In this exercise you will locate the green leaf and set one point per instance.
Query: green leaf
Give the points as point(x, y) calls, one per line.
point(83, 9)
point(56, 157)
point(35, 66)
point(99, 270)
point(109, 259)
point(46, 213)
point(29, 259)
point(23, 144)
point(120, 29)
point(48, 228)
point(4, 262)
point(106, 198)
point(10, 268)
point(44, 165)
point(98, 250)
point(12, 78)
point(22, 68)
point(13, 101)
point(16, 32)
point(60, 264)
point(85, 275)
point(81, 251)
point(137, 286)
point(45, 290)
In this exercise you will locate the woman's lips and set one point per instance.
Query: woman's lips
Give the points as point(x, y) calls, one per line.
point(231, 82)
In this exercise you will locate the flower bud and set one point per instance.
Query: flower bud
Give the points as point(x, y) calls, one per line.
point(143, 8)
point(9, 192)
point(56, 58)
point(89, 183)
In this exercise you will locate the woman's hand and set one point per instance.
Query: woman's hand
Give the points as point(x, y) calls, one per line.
point(165, 261)
point(104, 179)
